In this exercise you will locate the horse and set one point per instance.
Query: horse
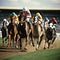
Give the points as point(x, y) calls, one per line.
point(50, 36)
point(12, 32)
point(39, 30)
point(24, 30)
point(29, 32)
point(4, 30)
point(40, 35)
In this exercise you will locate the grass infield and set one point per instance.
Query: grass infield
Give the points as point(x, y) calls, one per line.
point(51, 54)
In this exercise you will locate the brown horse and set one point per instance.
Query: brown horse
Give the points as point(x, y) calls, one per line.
point(12, 32)
point(25, 30)
point(38, 29)
point(40, 36)
point(29, 32)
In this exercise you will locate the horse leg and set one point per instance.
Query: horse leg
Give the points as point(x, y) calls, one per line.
point(32, 39)
point(32, 36)
point(45, 45)
point(2, 41)
point(20, 40)
point(28, 31)
point(53, 40)
point(26, 40)
point(15, 41)
point(9, 40)
point(48, 44)
point(40, 33)
point(40, 41)
point(45, 42)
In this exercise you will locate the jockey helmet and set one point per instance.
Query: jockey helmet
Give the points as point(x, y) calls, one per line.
point(13, 14)
point(4, 20)
point(46, 19)
point(39, 15)
point(25, 9)
point(54, 20)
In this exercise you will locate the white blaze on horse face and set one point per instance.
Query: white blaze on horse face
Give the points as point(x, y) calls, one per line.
point(51, 25)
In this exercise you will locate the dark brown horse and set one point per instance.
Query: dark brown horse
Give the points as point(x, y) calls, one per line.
point(50, 36)
point(25, 30)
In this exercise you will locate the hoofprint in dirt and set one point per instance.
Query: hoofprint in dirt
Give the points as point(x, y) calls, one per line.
point(7, 52)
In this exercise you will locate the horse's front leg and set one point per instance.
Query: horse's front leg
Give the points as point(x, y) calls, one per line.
point(32, 39)
point(9, 40)
point(46, 41)
point(27, 32)
point(33, 35)
point(39, 42)
point(27, 38)
point(15, 40)
point(40, 35)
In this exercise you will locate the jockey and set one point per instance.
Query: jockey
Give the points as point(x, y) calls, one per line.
point(6, 23)
point(46, 20)
point(39, 19)
point(52, 22)
point(15, 17)
point(26, 14)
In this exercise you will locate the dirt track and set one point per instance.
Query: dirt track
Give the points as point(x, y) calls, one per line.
point(6, 52)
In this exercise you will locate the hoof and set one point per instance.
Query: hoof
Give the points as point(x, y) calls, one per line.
point(16, 46)
point(33, 45)
point(44, 48)
point(36, 49)
point(25, 48)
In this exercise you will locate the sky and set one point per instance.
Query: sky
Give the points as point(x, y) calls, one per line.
point(33, 4)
